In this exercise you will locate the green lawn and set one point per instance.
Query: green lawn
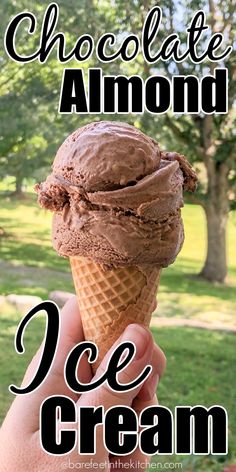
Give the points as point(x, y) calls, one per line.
point(201, 363)
point(27, 246)
point(199, 371)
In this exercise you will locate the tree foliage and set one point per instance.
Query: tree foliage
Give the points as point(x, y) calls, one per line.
point(32, 129)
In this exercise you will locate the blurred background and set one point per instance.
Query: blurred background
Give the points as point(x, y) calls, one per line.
point(195, 323)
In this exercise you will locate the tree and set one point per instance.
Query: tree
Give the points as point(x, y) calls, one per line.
point(32, 129)
point(215, 147)
point(207, 140)
point(212, 141)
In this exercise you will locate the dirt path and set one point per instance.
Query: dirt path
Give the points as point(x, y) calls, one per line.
point(30, 275)
point(160, 322)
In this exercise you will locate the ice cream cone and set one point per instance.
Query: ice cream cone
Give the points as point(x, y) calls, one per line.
point(109, 300)
point(117, 202)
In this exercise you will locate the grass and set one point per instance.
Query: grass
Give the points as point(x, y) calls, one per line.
point(200, 362)
point(30, 261)
point(199, 371)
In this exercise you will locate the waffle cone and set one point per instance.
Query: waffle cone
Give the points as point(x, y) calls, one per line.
point(110, 300)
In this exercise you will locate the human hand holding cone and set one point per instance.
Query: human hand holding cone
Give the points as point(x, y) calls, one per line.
point(116, 200)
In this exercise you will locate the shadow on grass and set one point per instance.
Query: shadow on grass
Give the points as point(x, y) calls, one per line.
point(177, 279)
point(21, 279)
point(31, 254)
point(181, 279)
point(34, 250)
point(11, 201)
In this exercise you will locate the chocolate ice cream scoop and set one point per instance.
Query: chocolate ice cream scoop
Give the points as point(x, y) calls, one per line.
point(117, 197)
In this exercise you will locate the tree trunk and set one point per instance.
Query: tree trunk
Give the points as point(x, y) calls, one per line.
point(217, 210)
point(19, 187)
point(215, 267)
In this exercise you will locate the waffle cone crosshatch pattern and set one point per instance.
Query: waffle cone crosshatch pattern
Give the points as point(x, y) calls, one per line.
point(111, 299)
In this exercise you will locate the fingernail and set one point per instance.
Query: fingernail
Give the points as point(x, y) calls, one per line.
point(140, 336)
point(152, 384)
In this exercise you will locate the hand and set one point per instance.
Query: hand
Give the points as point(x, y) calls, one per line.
point(20, 448)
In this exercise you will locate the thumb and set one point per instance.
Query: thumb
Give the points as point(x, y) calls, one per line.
point(107, 397)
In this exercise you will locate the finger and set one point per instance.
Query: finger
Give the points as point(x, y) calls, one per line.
point(103, 395)
point(154, 305)
point(25, 408)
point(145, 398)
point(158, 362)
point(71, 333)
point(119, 463)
